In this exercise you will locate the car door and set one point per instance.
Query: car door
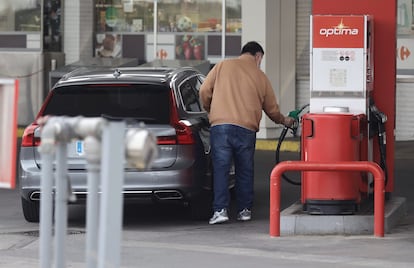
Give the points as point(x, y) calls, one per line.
point(135, 103)
point(192, 111)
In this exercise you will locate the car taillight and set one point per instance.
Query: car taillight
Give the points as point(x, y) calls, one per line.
point(166, 140)
point(28, 138)
point(183, 133)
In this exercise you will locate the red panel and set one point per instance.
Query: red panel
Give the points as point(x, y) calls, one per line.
point(384, 17)
point(9, 90)
point(338, 31)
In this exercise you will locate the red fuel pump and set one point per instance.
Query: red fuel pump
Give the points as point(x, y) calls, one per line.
point(332, 137)
point(384, 86)
point(336, 129)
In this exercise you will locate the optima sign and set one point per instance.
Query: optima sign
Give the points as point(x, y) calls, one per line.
point(338, 31)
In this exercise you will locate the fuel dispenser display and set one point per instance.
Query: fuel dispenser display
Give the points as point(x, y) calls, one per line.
point(336, 127)
point(341, 63)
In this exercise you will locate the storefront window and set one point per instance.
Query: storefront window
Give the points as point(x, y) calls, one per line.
point(198, 16)
point(20, 15)
point(125, 28)
point(405, 37)
point(52, 39)
point(173, 15)
point(20, 25)
point(125, 16)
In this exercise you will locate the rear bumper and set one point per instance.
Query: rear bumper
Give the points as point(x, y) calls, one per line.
point(157, 195)
point(181, 184)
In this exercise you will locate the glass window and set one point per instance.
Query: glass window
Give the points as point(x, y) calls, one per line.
point(20, 15)
point(118, 101)
point(188, 16)
point(173, 15)
point(124, 16)
point(52, 40)
point(233, 16)
point(124, 28)
point(198, 16)
point(405, 37)
point(189, 94)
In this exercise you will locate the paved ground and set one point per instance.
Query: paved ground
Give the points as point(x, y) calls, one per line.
point(163, 236)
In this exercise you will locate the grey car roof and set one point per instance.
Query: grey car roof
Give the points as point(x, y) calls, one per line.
point(86, 75)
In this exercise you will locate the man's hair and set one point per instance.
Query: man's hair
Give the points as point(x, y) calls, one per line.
point(252, 48)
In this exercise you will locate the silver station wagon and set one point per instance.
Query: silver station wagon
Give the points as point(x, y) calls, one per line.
point(166, 100)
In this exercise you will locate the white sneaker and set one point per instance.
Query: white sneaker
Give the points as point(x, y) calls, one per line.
point(244, 215)
point(219, 216)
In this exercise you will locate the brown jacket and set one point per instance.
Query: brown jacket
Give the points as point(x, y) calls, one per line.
point(236, 91)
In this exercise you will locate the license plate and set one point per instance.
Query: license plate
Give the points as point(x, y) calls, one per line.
point(79, 148)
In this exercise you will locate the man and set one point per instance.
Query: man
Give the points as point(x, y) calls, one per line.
point(234, 94)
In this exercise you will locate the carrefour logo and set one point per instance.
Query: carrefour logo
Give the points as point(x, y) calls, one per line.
point(340, 29)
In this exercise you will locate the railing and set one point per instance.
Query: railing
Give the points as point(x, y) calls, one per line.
point(107, 145)
point(367, 166)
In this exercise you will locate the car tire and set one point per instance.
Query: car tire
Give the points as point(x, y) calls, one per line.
point(30, 210)
point(201, 207)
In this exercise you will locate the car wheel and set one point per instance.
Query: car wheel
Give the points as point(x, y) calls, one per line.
point(201, 207)
point(30, 210)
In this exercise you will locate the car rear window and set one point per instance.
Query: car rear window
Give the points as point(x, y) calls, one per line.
point(145, 103)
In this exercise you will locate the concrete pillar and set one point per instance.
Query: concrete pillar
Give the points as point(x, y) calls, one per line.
point(78, 30)
point(272, 23)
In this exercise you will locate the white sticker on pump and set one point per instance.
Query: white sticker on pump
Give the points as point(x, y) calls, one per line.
point(337, 77)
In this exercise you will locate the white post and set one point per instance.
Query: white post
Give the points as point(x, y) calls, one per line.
point(111, 210)
point(93, 156)
point(47, 153)
point(46, 210)
point(137, 145)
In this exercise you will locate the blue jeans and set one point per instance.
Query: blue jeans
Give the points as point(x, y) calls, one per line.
point(231, 142)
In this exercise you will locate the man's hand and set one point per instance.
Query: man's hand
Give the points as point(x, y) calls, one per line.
point(288, 121)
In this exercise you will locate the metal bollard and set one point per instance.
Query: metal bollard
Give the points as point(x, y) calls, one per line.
point(93, 156)
point(278, 170)
point(137, 146)
point(110, 214)
point(61, 200)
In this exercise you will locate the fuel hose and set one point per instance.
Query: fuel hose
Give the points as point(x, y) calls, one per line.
point(294, 114)
point(279, 144)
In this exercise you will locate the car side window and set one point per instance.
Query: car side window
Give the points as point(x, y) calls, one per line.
point(189, 94)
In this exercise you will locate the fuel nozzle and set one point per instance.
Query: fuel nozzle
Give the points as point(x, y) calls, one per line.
point(377, 120)
point(379, 116)
point(295, 115)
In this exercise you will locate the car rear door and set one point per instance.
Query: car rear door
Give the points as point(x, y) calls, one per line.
point(149, 104)
point(191, 107)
